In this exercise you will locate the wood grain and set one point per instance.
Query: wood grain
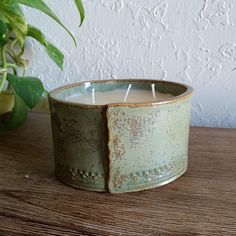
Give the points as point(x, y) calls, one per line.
point(33, 202)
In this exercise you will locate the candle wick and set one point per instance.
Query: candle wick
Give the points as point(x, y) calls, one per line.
point(127, 92)
point(153, 91)
point(93, 96)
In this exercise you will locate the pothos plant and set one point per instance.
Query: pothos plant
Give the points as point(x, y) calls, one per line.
point(20, 93)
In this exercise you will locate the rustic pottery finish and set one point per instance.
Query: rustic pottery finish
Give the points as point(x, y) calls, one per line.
point(120, 147)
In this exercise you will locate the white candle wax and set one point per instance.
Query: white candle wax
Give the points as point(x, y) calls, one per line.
point(118, 96)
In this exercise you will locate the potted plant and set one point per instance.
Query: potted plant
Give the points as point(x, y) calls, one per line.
point(20, 93)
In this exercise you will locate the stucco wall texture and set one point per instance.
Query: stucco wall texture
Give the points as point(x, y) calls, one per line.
point(189, 41)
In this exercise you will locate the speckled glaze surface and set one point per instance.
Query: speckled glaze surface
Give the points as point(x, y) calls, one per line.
point(120, 148)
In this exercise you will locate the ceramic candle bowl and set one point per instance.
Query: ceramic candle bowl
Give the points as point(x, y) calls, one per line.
point(120, 147)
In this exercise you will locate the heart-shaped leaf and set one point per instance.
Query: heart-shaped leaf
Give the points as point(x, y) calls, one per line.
point(30, 89)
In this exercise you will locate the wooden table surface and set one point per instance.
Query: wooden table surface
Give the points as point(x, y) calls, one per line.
point(33, 202)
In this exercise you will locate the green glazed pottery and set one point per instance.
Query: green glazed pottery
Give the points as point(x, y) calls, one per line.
point(120, 147)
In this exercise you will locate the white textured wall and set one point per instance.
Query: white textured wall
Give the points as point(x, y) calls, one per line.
point(190, 41)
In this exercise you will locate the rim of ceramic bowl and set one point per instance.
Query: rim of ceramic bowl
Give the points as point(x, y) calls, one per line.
point(188, 93)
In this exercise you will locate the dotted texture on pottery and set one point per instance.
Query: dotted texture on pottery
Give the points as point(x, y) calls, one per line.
point(148, 147)
point(79, 144)
point(188, 41)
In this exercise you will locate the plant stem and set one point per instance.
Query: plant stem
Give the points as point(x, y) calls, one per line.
point(10, 65)
point(4, 66)
point(13, 67)
point(24, 71)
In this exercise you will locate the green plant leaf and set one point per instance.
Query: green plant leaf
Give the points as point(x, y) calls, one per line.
point(41, 6)
point(30, 89)
point(3, 28)
point(37, 35)
point(55, 54)
point(3, 40)
point(80, 7)
point(11, 13)
point(17, 117)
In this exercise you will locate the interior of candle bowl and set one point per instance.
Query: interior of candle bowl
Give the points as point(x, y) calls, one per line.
point(125, 91)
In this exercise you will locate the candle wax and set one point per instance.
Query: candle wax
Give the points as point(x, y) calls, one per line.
point(117, 96)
